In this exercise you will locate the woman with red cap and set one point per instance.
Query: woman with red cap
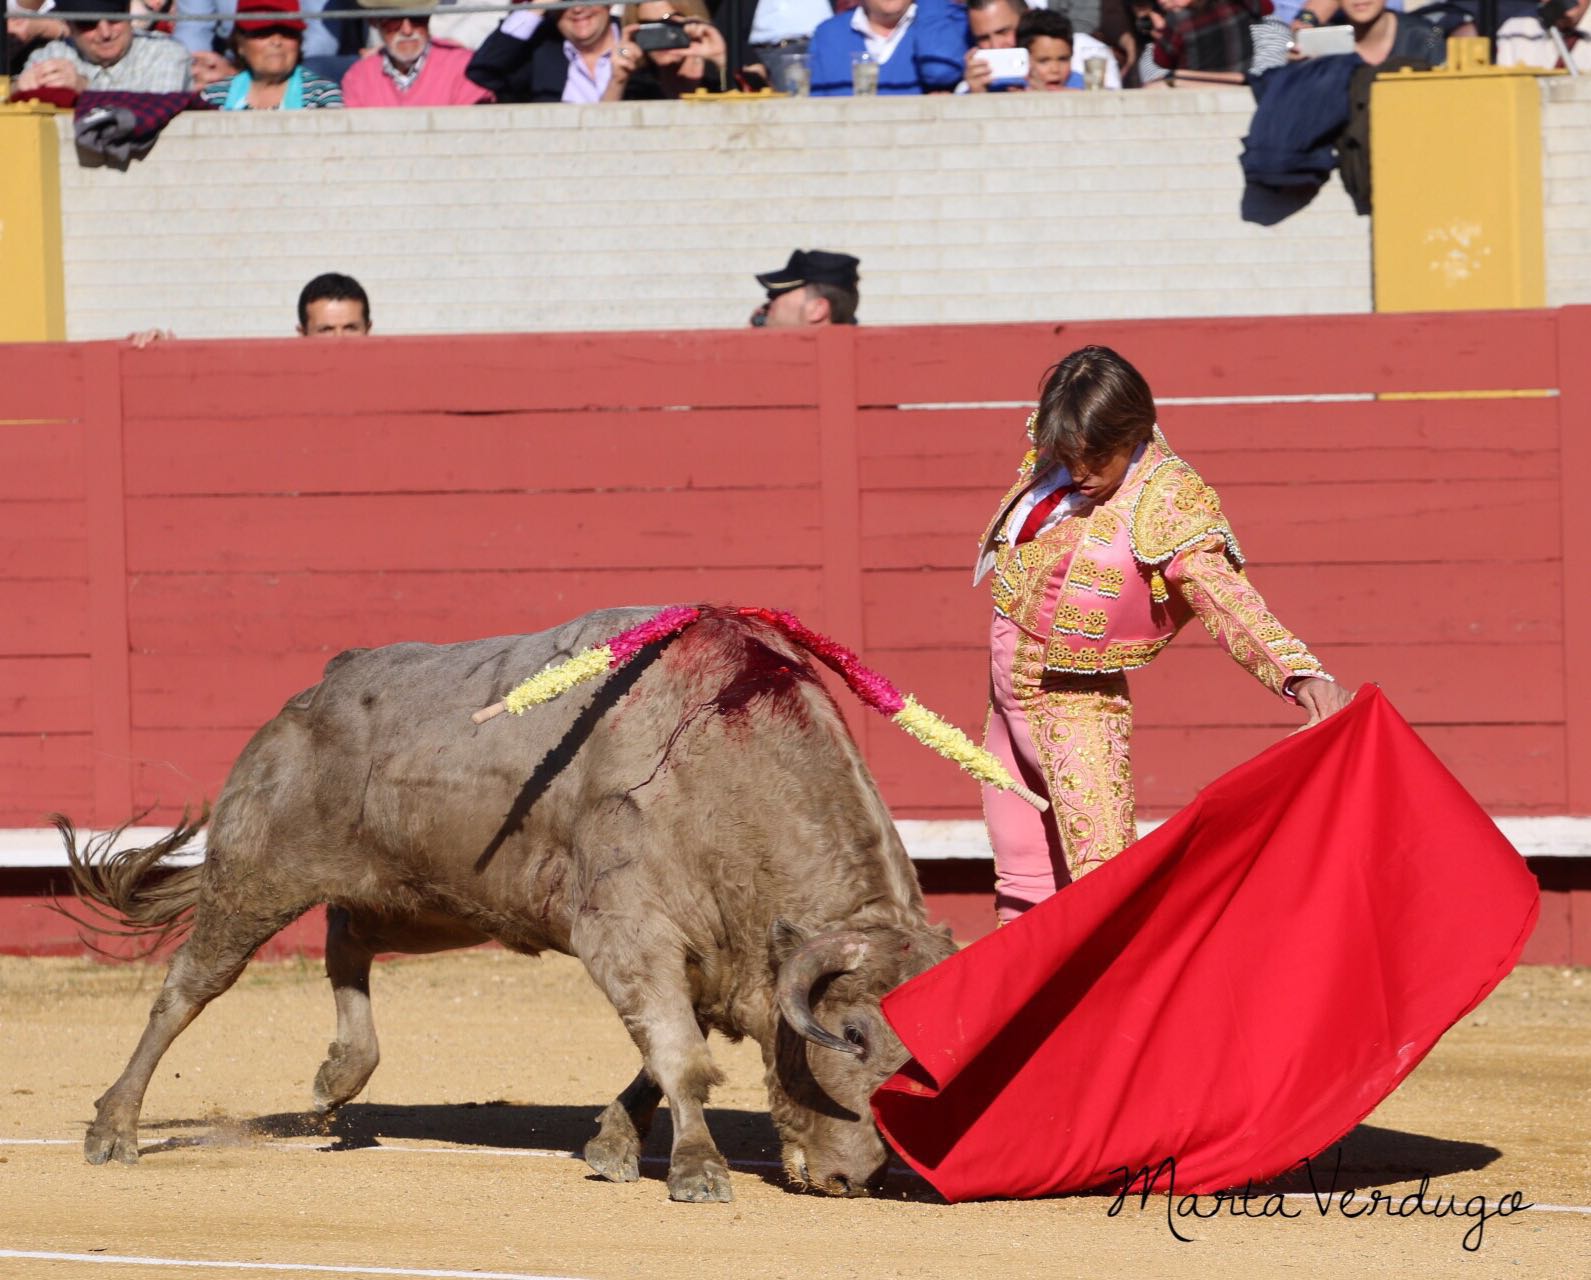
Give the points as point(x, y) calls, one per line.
point(273, 78)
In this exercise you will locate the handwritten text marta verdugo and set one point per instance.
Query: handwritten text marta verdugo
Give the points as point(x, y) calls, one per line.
point(1349, 1203)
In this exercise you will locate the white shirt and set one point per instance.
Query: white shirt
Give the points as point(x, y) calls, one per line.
point(880, 48)
point(1048, 483)
point(777, 20)
point(1524, 42)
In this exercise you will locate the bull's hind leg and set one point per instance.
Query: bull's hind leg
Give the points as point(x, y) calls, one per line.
point(353, 1055)
point(615, 1152)
point(209, 962)
point(644, 977)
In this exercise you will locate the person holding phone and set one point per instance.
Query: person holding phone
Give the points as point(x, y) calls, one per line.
point(991, 28)
point(681, 50)
point(570, 55)
point(1104, 548)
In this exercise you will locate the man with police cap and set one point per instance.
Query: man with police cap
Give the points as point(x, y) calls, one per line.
point(815, 287)
point(106, 54)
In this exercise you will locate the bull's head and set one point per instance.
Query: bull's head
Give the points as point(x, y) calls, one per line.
point(833, 1047)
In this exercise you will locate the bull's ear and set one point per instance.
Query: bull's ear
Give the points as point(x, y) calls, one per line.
point(784, 940)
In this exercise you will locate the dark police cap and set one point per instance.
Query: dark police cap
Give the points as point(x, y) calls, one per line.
point(66, 8)
point(811, 266)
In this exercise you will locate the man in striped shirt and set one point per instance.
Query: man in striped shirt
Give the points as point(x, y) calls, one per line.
point(107, 54)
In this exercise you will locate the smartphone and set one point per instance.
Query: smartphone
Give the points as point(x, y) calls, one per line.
point(652, 36)
point(1324, 42)
point(1006, 66)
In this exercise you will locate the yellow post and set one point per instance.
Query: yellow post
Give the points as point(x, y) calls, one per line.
point(1455, 164)
point(32, 283)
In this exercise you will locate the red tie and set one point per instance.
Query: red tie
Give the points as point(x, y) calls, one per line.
point(1040, 513)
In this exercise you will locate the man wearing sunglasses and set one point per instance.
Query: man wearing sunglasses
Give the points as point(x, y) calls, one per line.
point(412, 68)
point(106, 54)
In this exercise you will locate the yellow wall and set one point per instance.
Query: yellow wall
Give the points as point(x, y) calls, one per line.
point(1456, 175)
point(32, 292)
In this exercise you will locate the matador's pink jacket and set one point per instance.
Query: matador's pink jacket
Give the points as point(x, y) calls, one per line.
point(441, 82)
point(1094, 587)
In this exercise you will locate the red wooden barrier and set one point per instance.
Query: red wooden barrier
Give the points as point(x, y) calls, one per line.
point(187, 533)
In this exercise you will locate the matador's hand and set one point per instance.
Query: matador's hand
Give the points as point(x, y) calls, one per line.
point(1321, 698)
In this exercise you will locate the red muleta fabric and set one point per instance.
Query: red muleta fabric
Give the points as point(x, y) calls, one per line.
point(1237, 990)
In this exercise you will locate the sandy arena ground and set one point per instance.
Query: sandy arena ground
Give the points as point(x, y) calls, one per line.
point(494, 1067)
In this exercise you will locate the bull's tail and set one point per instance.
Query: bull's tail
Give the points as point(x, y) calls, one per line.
point(130, 893)
point(871, 687)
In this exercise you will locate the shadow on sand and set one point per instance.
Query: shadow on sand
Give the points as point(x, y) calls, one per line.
point(1369, 1156)
point(746, 1138)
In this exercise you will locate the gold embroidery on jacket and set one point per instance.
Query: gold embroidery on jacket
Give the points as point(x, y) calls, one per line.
point(1175, 510)
point(1236, 616)
point(1021, 572)
point(1119, 655)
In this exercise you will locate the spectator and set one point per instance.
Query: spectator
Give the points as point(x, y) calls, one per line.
point(106, 55)
point(779, 32)
point(1047, 36)
point(329, 306)
point(991, 24)
point(919, 47)
point(1523, 41)
point(29, 27)
point(1380, 34)
point(669, 73)
point(1314, 114)
point(411, 68)
point(570, 59)
point(274, 79)
point(814, 288)
point(216, 35)
point(333, 306)
point(1202, 41)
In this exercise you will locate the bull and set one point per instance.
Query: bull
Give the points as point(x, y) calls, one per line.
point(699, 830)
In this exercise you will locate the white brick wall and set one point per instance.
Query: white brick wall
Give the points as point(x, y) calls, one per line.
point(655, 215)
point(1566, 188)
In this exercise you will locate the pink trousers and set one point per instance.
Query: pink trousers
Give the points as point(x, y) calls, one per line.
point(1066, 737)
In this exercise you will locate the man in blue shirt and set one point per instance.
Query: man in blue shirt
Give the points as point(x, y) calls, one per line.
point(918, 47)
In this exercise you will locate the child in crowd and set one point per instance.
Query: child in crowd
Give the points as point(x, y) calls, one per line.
point(1047, 36)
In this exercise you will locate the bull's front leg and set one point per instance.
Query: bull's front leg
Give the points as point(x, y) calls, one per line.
point(645, 979)
point(615, 1152)
point(353, 1055)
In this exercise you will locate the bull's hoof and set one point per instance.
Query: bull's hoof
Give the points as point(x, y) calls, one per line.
point(615, 1153)
point(613, 1159)
point(341, 1076)
point(700, 1182)
point(101, 1146)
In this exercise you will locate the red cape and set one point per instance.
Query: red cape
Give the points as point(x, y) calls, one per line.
point(1236, 990)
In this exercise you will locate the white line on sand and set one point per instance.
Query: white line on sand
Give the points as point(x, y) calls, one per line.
point(122, 1260)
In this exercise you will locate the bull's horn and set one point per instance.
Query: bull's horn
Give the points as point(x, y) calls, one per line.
point(827, 953)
